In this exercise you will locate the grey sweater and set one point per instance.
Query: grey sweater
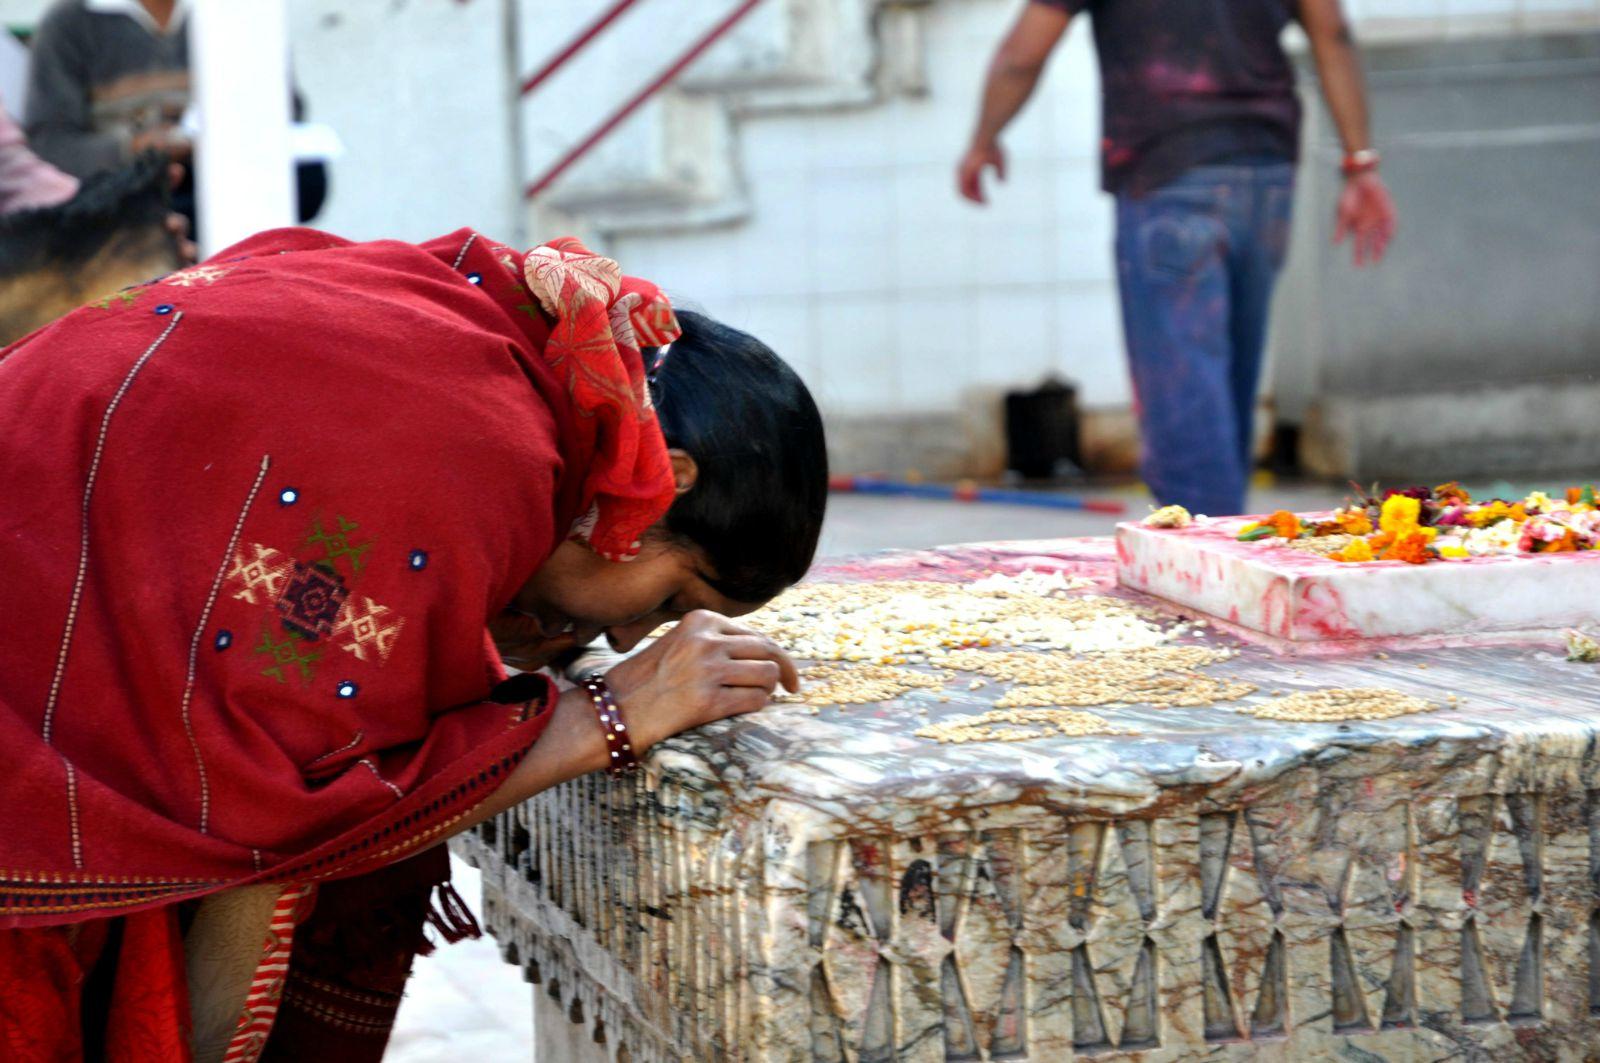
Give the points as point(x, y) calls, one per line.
point(97, 81)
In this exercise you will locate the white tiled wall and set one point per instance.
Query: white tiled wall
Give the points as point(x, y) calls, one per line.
point(861, 264)
point(1458, 16)
point(863, 267)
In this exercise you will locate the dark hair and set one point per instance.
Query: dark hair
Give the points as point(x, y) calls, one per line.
point(130, 201)
point(752, 428)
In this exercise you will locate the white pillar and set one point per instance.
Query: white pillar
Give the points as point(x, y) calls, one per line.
point(239, 66)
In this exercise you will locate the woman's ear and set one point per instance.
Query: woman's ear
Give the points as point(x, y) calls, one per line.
point(684, 470)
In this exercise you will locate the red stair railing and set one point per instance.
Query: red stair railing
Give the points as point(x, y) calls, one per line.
point(577, 44)
point(634, 102)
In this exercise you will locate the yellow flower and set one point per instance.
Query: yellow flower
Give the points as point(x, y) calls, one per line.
point(1493, 513)
point(1355, 550)
point(1400, 514)
point(1453, 552)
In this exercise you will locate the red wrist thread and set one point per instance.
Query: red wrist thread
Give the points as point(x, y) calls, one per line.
point(1359, 162)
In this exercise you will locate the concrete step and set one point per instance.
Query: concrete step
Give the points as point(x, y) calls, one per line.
point(675, 165)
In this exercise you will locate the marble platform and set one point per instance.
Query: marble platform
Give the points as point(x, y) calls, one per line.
point(1303, 598)
point(790, 888)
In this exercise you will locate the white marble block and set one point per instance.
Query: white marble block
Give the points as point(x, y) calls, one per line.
point(1302, 598)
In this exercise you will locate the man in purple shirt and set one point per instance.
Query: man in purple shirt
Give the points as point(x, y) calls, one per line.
point(1201, 131)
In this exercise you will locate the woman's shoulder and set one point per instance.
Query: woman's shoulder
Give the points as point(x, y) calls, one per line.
point(280, 242)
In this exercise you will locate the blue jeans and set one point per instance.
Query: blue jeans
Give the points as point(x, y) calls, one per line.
point(1196, 262)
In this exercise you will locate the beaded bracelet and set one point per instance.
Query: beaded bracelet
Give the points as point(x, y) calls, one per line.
point(623, 759)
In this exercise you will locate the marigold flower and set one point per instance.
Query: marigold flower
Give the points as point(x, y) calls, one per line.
point(1567, 544)
point(1355, 550)
point(1353, 521)
point(1285, 524)
point(1489, 513)
point(1411, 548)
point(1400, 515)
point(1453, 493)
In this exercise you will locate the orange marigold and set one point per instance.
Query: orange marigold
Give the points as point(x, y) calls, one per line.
point(1353, 521)
point(1452, 493)
point(1568, 543)
point(1411, 548)
point(1284, 524)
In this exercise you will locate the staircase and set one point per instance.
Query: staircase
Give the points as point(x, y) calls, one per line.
point(675, 164)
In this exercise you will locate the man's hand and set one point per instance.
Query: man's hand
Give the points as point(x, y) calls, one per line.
point(178, 226)
point(1013, 73)
point(167, 139)
point(1366, 214)
point(969, 174)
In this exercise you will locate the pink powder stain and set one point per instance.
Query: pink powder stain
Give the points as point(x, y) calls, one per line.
point(1277, 612)
point(1322, 611)
point(1166, 77)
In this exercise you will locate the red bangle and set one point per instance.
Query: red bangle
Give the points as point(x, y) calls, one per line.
point(1359, 162)
point(619, 749)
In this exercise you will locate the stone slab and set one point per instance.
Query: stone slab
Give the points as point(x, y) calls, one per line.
point(790, 888)
point(1299, 597)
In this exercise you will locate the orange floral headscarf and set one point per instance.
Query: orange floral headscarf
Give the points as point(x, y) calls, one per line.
point(600, 321)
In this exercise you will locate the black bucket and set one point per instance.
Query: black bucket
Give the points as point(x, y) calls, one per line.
point(1042, 432)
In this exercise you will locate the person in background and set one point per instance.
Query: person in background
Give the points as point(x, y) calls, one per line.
point(110, 80)
point(27, 182)
point(1201, 129)
point(117, 230)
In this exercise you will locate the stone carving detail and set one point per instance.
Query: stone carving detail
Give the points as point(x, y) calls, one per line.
point(1323, 915)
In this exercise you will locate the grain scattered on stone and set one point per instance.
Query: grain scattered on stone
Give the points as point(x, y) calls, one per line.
point(1340, 703)
point(1163, 675)
point(1054, 647)
point(1320, 545)
point(1017, 725)
point(863, 684)
point(892, 622)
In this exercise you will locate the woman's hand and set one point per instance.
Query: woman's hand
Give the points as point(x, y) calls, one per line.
point(706, 668)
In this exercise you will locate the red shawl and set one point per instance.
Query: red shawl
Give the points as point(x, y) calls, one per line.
point(255, 517)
